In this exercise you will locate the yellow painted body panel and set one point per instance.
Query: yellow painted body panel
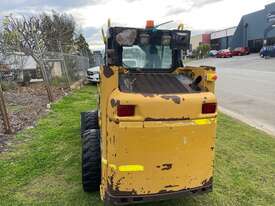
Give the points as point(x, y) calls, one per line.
point(168, 145)
point(174, 156)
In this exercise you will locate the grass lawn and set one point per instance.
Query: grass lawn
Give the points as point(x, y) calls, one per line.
point(44, 169)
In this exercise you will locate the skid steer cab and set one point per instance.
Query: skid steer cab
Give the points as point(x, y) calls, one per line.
point(152, 137)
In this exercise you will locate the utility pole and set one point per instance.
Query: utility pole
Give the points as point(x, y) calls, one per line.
point(4, 113)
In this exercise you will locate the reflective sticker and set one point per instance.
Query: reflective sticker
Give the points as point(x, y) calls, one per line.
point(124, 168)
point(202, 121)
point(131, 168)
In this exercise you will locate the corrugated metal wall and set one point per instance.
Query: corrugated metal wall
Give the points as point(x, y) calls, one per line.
point(251, 29)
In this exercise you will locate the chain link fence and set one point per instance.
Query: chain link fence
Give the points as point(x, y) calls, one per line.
point(65, 69)
point(61, 69)
point(24, 89)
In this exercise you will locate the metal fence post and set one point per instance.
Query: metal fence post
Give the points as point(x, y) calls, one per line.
point(4, 113)
point(65, 66)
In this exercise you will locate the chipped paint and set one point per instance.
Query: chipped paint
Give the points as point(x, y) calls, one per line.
point(207, 182)
point(176, 99)
point(114, 188)
point(165, 119)
point(125, 149)
point(115, 103)
point(108, 72)
point(170, 186)
point(167, 166)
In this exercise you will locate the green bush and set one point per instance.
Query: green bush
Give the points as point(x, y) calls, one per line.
point(203, 50)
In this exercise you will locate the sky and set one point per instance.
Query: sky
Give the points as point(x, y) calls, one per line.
point(91, 15)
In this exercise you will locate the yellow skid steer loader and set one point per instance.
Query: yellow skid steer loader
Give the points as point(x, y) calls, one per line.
point(152, 137)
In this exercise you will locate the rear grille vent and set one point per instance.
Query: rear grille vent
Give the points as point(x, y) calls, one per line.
point(153, 83)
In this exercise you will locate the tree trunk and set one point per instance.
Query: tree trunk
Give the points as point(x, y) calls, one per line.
point(4, 113)
point(46, 81)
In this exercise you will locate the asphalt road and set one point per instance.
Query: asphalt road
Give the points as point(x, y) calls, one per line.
point(246, 88)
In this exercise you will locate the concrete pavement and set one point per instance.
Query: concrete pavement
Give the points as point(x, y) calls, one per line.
point(246, 89)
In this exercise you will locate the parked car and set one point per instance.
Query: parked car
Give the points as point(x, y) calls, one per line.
point(267, 51)
point(225, 53)
point(212, 53)
point(93, 74)
point(240, 51)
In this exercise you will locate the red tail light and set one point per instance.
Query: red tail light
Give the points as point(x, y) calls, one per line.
point(125, 110)
point(209, 108)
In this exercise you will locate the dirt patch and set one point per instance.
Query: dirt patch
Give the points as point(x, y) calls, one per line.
point(25, 106)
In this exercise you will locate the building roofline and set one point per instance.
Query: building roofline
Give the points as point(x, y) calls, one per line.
point(259, 9)
point(253, 12)
point(224, 29)
point(269, 4)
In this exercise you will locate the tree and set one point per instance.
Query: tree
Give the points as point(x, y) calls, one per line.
point(203, 50)
point(25, 35)
point(82, 46)
point(83, 49)
point(58, 29)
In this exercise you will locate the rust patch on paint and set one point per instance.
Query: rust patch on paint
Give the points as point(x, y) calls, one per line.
point(170, 194)
point(115, 103)
point(118, 183)
point(114, 187)
point(111, 181)
point(116, 121)
point(167, 166)
point(164, 191)
point(170, 186)
point(165, 119)
point(207, 182)
point(174, 98)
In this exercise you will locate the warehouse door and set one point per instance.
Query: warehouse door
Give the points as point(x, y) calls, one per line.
point(255, 45)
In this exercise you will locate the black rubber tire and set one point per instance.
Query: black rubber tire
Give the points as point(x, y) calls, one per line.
point(91, 161)
point(89, 120)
